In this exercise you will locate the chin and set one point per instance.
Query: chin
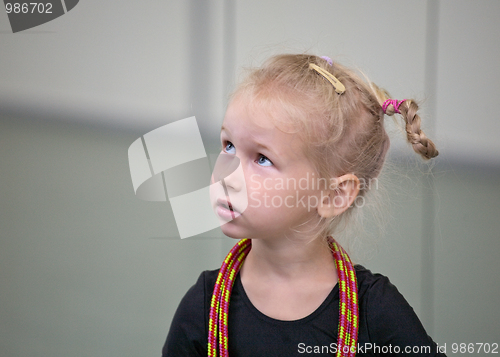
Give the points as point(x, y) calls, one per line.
point(232, 231)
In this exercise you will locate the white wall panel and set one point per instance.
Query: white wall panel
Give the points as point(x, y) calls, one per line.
point(117, 61)
point(469, 81)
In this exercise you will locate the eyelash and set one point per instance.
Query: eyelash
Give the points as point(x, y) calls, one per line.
point(227, 142)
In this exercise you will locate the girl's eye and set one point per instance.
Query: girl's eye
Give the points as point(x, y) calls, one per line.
point(264, 161)
point(230, 149)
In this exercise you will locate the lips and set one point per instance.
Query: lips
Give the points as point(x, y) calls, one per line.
point(225, 204)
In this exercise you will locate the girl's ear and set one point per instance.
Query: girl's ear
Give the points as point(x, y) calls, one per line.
point(335, 201)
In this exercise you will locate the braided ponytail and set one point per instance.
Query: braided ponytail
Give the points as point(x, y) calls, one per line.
point(408, 109)
point(415, 136)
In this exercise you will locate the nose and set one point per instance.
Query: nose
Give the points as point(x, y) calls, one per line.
point(228, 170)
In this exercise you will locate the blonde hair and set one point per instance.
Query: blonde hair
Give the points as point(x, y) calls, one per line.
point(343, 133)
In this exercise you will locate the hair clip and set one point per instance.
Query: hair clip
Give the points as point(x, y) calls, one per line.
point(339, 87)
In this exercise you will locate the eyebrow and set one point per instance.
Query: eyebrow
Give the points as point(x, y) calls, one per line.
point(264, 147)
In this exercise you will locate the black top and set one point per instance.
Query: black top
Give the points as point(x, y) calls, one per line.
point(387, 324)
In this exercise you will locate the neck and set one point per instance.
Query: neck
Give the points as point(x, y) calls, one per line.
point(289, 259)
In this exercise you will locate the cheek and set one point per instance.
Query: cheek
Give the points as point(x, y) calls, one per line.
point(258, 185)
point(253, 182)
point(271, 195)
point(216, 191)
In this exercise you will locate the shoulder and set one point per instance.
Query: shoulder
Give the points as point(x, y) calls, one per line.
point(195, 299)
point(208, 277)
point(189, 328)
point(204, 284)
point(386, 318)
point(372, 285)
point(379, 297)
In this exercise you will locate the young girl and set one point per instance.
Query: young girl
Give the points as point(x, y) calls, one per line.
point(304, 134)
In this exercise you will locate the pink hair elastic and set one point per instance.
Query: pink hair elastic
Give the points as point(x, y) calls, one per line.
point(396, 104)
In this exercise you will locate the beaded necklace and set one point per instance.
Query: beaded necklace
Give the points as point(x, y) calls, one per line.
point(219, 306)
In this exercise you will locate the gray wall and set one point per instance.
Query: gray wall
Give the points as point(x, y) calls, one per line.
point(87, 269)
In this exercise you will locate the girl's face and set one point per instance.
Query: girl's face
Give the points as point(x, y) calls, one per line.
point(274, 190)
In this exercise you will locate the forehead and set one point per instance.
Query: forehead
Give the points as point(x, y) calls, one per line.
point(262, 122)
point(265, 113)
